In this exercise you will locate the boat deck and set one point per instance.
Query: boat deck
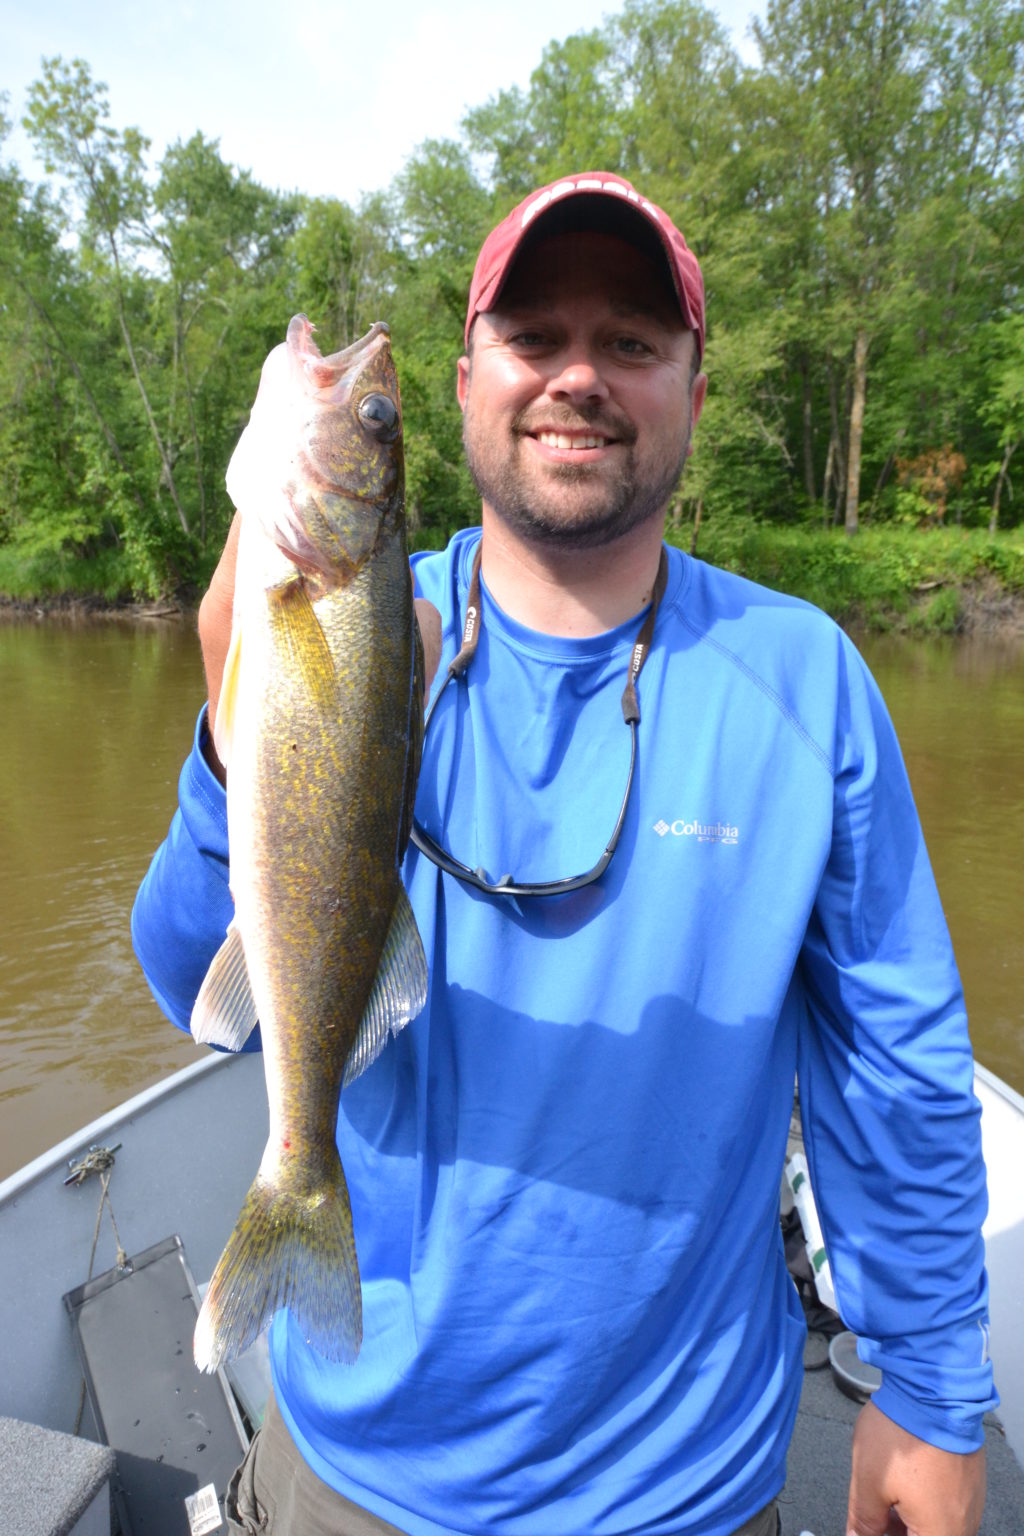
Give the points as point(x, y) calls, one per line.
point(203, 1132)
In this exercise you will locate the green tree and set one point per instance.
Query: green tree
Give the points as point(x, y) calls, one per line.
point(105, 169)
point(848, 82)
point(442, 211)
point(568, 120)
point(855, 200)
point(1003, 408)
point(65, 458)
point(218, 242)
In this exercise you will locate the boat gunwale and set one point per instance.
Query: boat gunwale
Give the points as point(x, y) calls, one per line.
point(166, 1087)
point(17, 1182)
point(1000, 1086)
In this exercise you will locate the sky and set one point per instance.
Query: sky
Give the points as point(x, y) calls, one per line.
point(329, 97)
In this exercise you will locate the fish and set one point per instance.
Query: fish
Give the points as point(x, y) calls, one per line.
point(319, 726)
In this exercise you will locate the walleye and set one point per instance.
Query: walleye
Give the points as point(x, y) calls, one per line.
point(319, 725)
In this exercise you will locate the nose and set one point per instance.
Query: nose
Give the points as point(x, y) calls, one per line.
point(577, 376)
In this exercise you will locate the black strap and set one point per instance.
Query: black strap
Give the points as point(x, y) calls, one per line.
point(641, 648)
point(471, 628)
point(630, 702)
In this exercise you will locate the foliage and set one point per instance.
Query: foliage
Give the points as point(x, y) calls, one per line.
point(855, 198)
point(885, 578)
point(931, 478)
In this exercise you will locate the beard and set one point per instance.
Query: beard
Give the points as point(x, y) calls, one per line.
point(570, 506)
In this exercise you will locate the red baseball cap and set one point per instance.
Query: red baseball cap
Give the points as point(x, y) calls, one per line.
point(600, 200)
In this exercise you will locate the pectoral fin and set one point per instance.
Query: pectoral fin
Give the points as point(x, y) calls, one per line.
point(399, 991)
point(225, 1013)
point(297, 631)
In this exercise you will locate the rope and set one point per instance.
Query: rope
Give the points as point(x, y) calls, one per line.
point(122, 1257)
point(97, 1160)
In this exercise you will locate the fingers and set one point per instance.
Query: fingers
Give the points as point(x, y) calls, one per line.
point(215, 612)
point(429, 620)
point(215, 630)
point(899, 1483)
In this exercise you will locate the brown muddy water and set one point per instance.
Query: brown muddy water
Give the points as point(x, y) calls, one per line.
point(97, 718)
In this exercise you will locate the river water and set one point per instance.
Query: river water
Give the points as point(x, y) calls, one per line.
point(98, 716)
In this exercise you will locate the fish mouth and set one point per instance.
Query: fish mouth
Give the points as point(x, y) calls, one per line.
point(325, 372)
point(377, 336)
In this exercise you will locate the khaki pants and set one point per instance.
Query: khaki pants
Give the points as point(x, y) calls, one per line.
point(276, 1493)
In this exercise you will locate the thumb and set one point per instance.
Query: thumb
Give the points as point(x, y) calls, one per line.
point(871, 1517)
point(215, 617)
point(429, 620)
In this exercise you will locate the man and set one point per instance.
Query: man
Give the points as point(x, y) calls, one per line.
point(564, 1174)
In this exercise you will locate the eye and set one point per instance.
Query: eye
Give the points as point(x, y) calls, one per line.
point(379, 415)
point(527, 338)
point(632, 346)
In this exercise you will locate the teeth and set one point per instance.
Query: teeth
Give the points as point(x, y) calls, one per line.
point(562, 440)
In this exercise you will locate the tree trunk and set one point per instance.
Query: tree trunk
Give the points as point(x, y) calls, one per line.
point(181, 357)
point(836, 444)
point(808, 432)
point(860, 382)
point(993, 522)
point(887, 469)
point(827, 485)
point(153, 428)
point(137, 376)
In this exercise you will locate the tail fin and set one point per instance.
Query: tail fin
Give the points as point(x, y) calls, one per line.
point(289, 1249)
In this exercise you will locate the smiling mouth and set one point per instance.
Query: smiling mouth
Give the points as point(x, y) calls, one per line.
point(571, 440)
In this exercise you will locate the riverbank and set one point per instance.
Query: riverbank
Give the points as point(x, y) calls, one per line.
point(76, 609)
point(935, 581)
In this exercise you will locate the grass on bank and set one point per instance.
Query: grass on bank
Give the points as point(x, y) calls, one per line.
point(883, 578)
point(63, 575)
point(928, 580)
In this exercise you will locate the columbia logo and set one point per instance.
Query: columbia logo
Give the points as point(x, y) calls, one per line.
point(704, 832)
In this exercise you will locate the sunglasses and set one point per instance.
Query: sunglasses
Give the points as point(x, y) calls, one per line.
point(508, 885)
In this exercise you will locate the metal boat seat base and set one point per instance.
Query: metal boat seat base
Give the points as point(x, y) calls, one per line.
point(176, 1434)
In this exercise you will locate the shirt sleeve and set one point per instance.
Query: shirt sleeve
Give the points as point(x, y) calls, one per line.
point(184, 904)
point(891, 1123)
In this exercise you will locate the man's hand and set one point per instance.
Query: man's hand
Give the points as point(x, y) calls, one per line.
point(900, 1484)
point(429, 621)
point(215, 617)
point(215, 634)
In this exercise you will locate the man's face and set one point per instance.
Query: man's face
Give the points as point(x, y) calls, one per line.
point(578, 399)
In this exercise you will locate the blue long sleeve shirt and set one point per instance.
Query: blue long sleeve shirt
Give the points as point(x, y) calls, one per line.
point(565, 1173)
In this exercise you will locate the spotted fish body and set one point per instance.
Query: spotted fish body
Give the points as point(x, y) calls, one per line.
point(318, 725)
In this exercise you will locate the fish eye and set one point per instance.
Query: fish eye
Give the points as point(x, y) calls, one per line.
point(379, 415)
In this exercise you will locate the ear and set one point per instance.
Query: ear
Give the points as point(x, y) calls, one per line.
point(700, 389)
point(697, 397)
point(462, 382)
